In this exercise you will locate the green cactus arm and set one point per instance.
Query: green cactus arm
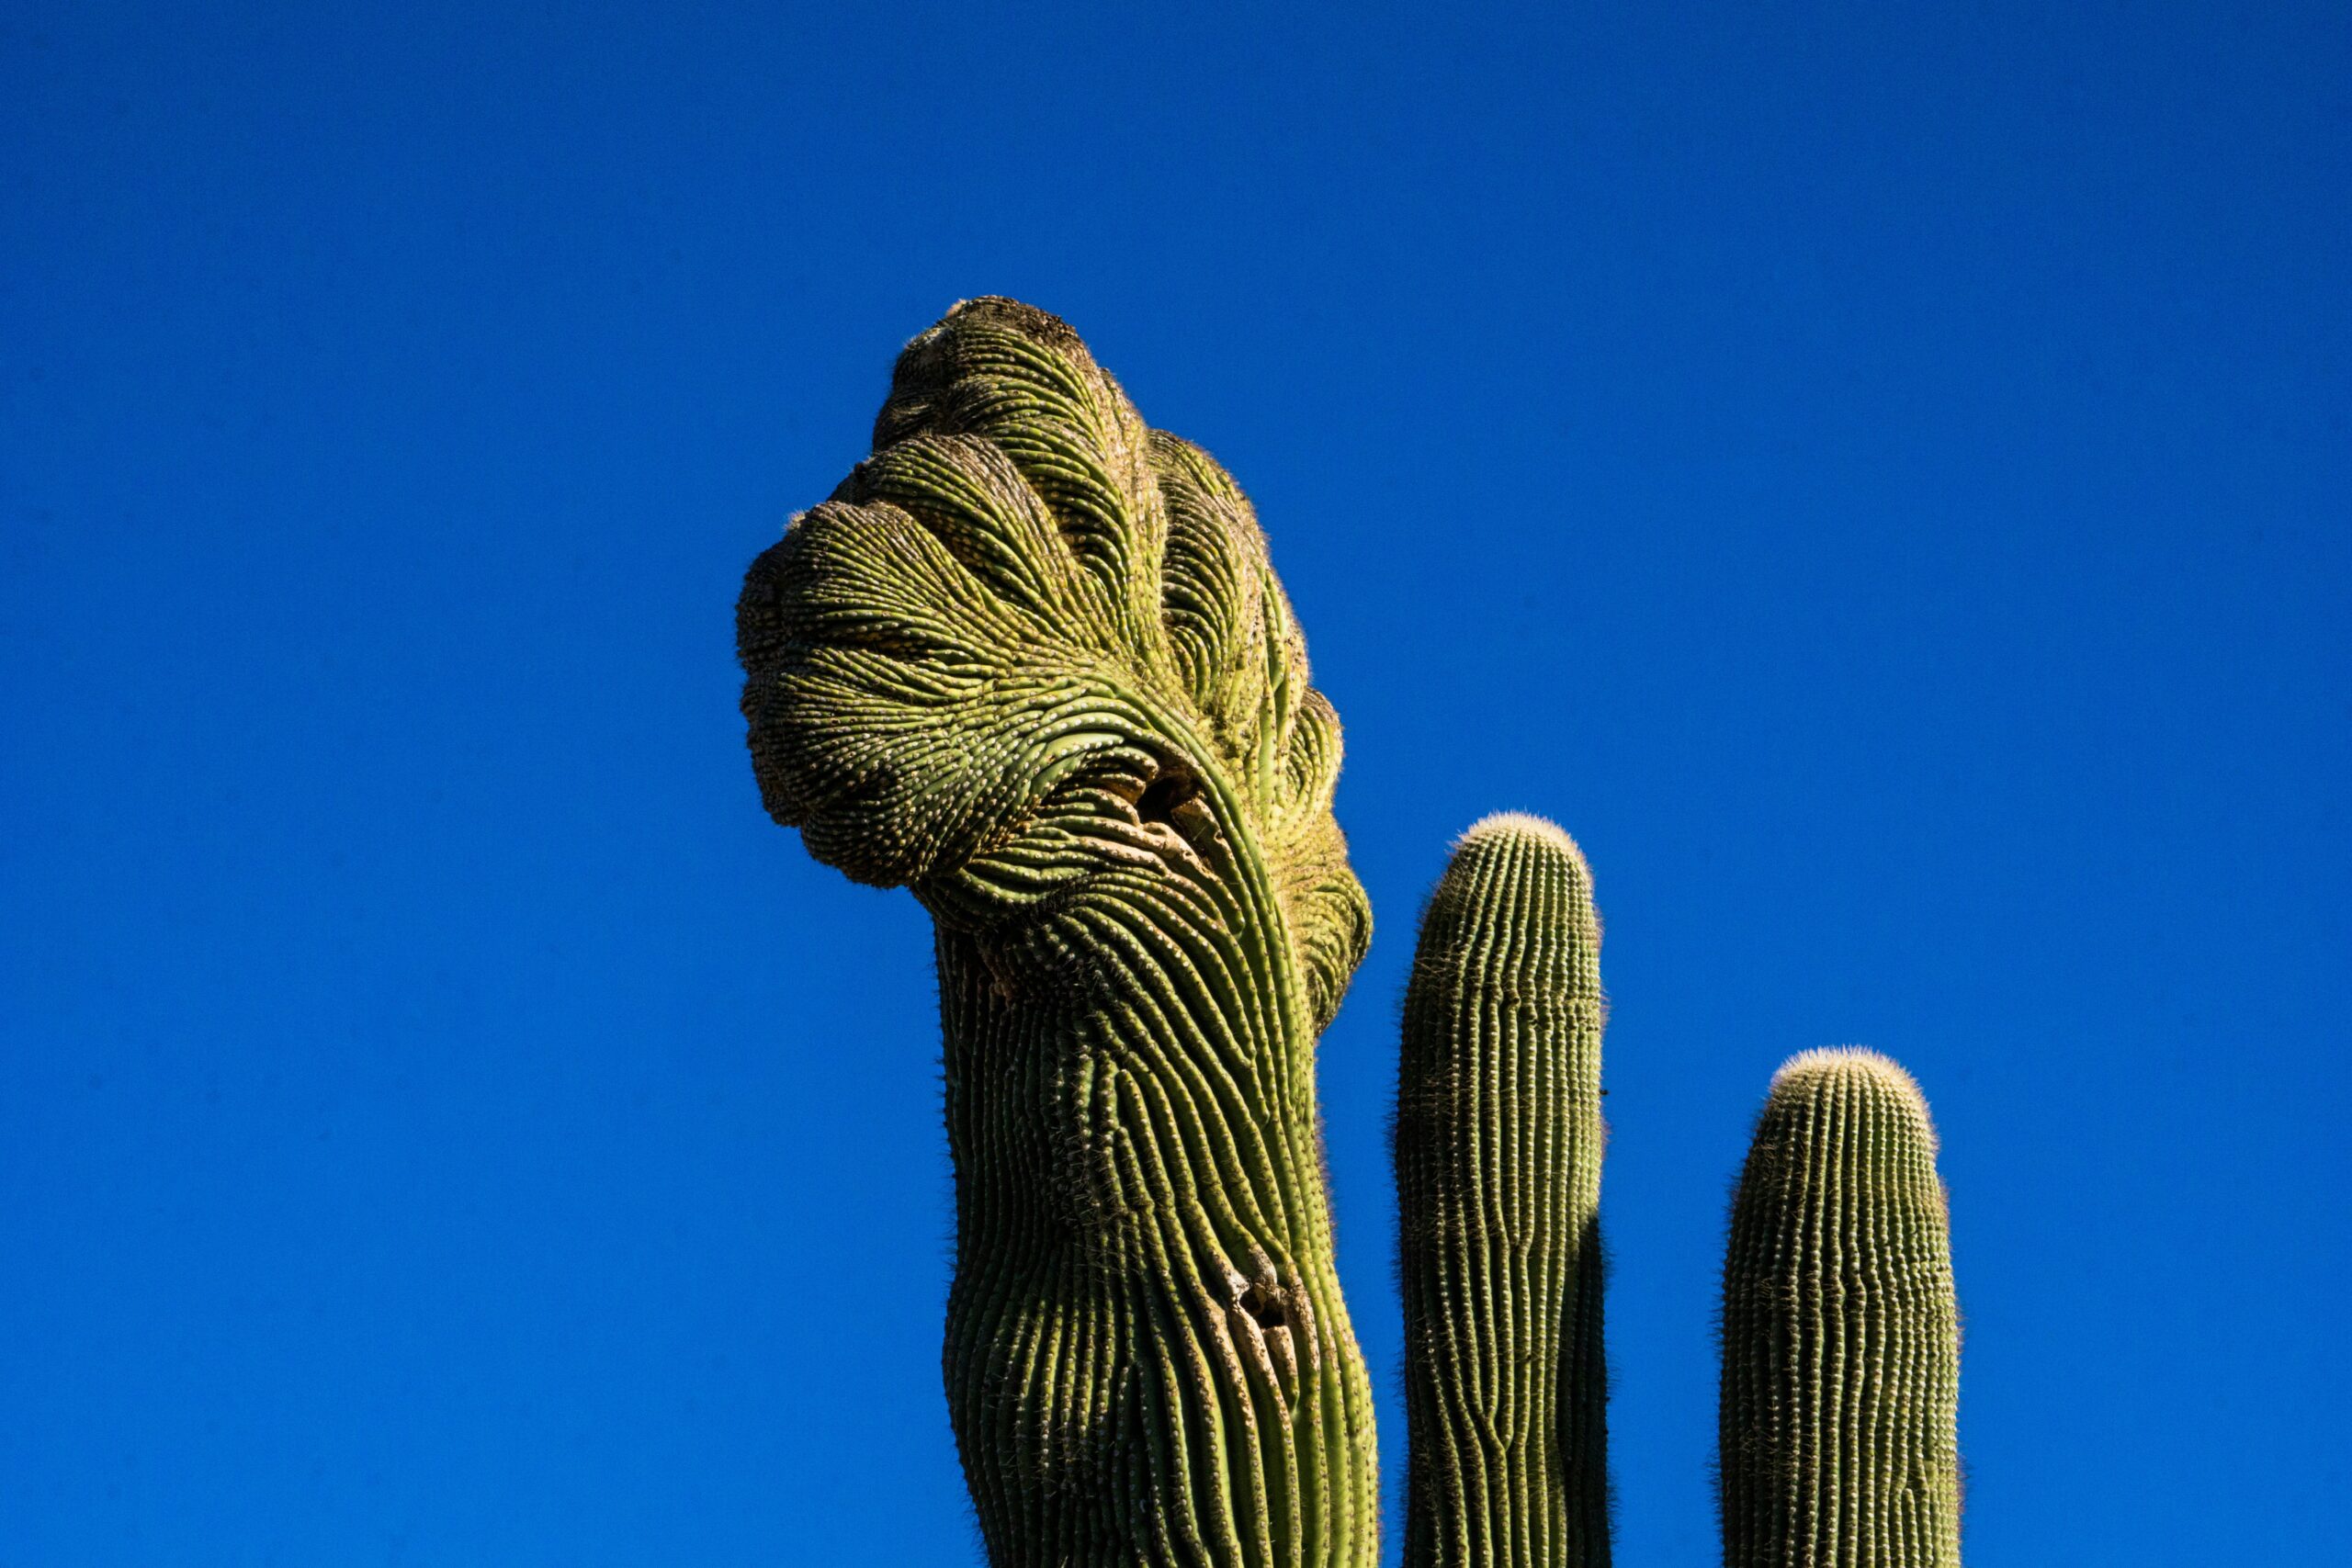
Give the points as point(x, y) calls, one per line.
point(1838, 1440)
point(1499, 1142)
point(1031, 661)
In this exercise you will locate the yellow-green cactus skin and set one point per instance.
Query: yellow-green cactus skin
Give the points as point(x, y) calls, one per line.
point(1838, 1443)
point(1498, 1140)
point(1031, 661)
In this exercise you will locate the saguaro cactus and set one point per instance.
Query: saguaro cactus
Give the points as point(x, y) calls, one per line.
point(1499, 1142)
point(1031, 661)
point(1840, 1339)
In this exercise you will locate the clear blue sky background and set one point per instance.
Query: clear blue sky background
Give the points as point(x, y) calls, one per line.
point(1877, 474)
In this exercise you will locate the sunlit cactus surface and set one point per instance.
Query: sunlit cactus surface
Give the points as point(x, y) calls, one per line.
point(1840, 1337)
point(1031, 661)
point(1499, 1143)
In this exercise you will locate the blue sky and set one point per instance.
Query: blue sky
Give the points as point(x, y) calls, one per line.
point(1877, 474)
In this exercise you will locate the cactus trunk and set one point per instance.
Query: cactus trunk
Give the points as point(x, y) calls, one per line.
point(1840, 1336)
point(1499, 1145)
point(1147, 1356)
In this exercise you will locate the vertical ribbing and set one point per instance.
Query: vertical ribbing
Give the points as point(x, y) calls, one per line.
point(1499, 1144)
point(1839, 1437)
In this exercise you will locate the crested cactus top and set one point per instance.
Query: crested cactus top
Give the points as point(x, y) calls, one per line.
point(1025, 616)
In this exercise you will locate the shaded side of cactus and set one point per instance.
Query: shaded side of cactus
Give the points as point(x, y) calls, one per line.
point(1499, 1142)
point(1840, 1337)
point(1031, 660)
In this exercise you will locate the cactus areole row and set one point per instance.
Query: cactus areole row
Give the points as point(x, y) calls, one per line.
point(1031, 661)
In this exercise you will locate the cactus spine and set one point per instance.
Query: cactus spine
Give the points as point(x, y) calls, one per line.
point(1499, 1142)
point(1840, 1337)
point(1031, 662)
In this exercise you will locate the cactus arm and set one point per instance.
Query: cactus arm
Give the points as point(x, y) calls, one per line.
point(1840, 1335)
point(1031, 661)
point(1499, 1142)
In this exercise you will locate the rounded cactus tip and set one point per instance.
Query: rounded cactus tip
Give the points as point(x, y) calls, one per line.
point(1524, 828)
point(1807, 1069)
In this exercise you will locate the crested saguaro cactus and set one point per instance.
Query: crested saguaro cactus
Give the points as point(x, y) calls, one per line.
point(1031, 662)
point(1841, 1338)
point(1499, 1142)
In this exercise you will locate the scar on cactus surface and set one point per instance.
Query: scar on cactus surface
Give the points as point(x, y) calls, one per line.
point(1031, 661)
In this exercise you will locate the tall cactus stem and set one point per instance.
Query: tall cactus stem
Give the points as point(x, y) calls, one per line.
point(1839, 1444)
point(1499, 1142)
